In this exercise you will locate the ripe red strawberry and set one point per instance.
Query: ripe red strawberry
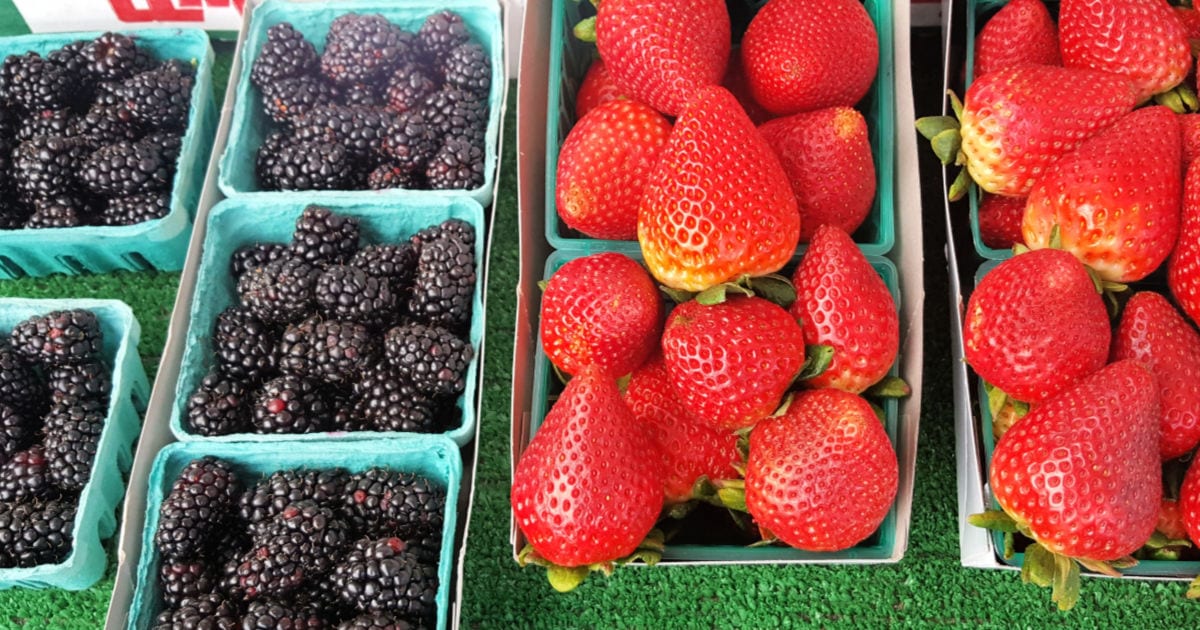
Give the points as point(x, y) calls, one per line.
point(1016, 122)
point(1141, 39)
point(1036, 324)
point(1183, 270)
point(1114, 200)
point(1170, 520)
point(1189, 131)
point(689, 447)
point(718, 204)
point(603, 166)
point(842, 302)
point(660, 52)
point(600, 310)
point(1021, 33)
point(597, 88)
point(1153, 332)
point(1000, 221)
point(732, 362)
point(1189, 501)
point(736, 82)
point(802, 55)
point(588, 488)
point(827, 157)
point(822, 476)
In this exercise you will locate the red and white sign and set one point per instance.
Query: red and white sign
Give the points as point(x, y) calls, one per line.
point(97, 15)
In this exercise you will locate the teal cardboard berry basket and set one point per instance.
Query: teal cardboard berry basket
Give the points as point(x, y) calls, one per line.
point(156, 244)
point(96, 516)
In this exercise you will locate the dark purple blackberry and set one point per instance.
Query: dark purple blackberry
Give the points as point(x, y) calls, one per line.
point(111, 57)
point(285, 54)
point(345, 292)
point(382, 502)
point(409, 86)
point(457, 113)
point(386, 402)
point(311, 166)
point(467, 67)
point(125, 168)
point(26, 476)
point(433, 358)
point(134, 209)
point(458, 165)
point(107, 94)
point(295, 349)
point(444, 286)
point(266, 161)
point(32, 534)
point(213, 611)
point(340, 351)
point(61, 211)
point(426, 547)
point(31, 83)
point(272, 494)
point(183, 579)
point(363, 47)
point(395, 263)
point(13, 215)
point(363, 95)
point(301, 542)
point(408, 142)
point(72, 436)
point(457, 229)
point(16, 432)
point(46, 166)
point(48, 122)
point(289, 404)
point(323, 237)
point(285, 99)
point(442, 32)
point(218, 406)
point(103, 124)
point(86, 381)
point(382, 576)
point(388, 176)
point(59, 337)
point(167, 143)
point(244, 345)
point(159, 98)
point(249, 257)
point(265, 614)
point(73, 59)
point(374, 621)
point(280, 292)
point(200, 502)
point(359, 129)
point(20, 385)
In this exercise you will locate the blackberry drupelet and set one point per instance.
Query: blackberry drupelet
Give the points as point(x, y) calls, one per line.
point(457, 165)
point(125, 168)
point(345, 292)
point(200, 502)
point(60, 337)
point(249, 257)
point(72, 436)
point(280, 292)
point(266, 614)
point(382, 576)
point(20, 386)
point(289, 404)
point(102, 125)
point(458, 113)
point(374, 621)
point(111, 57)
point(285, 99)
point(410, 84)
point(159, 98)
point(341, 350)
point(385, 402)
point(382, 502)
point(323, 237)
point(358, 129)
point(16, 432)
point(48, 122)
point(244, 345)
point(218, 406)
point(26, 476)
point(46, 166)
point(134, 209)
point(266, 161)
point(60, 211)
point(183, 579)
point(35, 533)
point(363, 47)
point(273, 493)
point(426, 547)
point(363, 95)
point(409, 142)
point(295, 349)
point(107, 94)
point(285, 54)
point(167, 143)
point(91, 380)
point(451, 228)
point(467, 67)
point(433, 358)
point(311, 166)
point(445, 284)
point(31, 83)
point(213, 611)
point(73, 60)
point(301, 542)
point(442, 32)
point(388, 176)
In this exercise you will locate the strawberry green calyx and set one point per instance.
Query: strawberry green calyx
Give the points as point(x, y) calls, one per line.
point(565, 579)
point(945, 136)
point(816, 360)
point(1180, 99)
point(889, 387)
point(1193, 591)
point(771, 287)
point(585, 30)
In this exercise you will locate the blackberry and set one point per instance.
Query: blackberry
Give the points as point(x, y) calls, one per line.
point(87, 381)
point(111, 57)
point(13, 215)
point(458, 165)
point(183, 579)
point(289, 404)
point(457, 113)
point(358, 129)
point(433, 358)
point(168, 144)
point(341, 351)
point(295, 348)
point(59, 337)
point(103, 124)
point(324, 237)
point(395, 263)
point(266, 162)
point(46, 166)
point(408, 142)
point(26, 476)
point(299, 543)
point(218, 406)
point(363, 95)
point(72, 436)
point(280, 292)
point(426, 547)
point(409, 86)
point(383, 502)
point(159, 98)
point(48, 122)
point(272, 494)
point(387, 176)
point(442, 32)
point(386, 402)
point(244, 345)
point(31, 83)
point(451, 228)
point(382, 576)
point(199, 503)
point(345, 292)
point(72, 58)
point(374, 621)
point(20, 386)
point(32, 534)
point(285, 54)
point(285, 99)
point(134, 209)
point(125, 168)
point(61, 211)
point(249, 257)
point(16, 432)
point(265, 614)
point(212, 611)
point(467, 67)
point(444, 284)
point(311, 166)
point(363, 47)
point(107, 94)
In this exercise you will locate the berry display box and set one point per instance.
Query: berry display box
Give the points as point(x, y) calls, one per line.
point(536, 164)
point(156, 244)
point(569, 61)
point(312, 19)
point(95, 519)
point(434, 457)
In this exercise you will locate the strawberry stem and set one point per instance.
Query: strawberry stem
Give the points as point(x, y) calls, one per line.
point(585, 30)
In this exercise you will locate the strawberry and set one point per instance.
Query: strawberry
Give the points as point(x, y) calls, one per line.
point(1021, 33)
point(1141, 39)
point(718, 205)
point(1000, 221)
point(843, 303)
point(1189, 501)
point(827, 157)
point(689, 447)
point(1170, 520)
point(822, 476)
point(603, 167)
point(588, 488)
point(661, 52)
point(1080, 475)
point(1115, 200)
point(802, 55)
point(600, 310)
point(597, 88)
point(732, 362)
point(1189, 131)
point(736, 82)
point(1183, 270)
point(1190, 19)
point(1036, 324)
point(1153, 332)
